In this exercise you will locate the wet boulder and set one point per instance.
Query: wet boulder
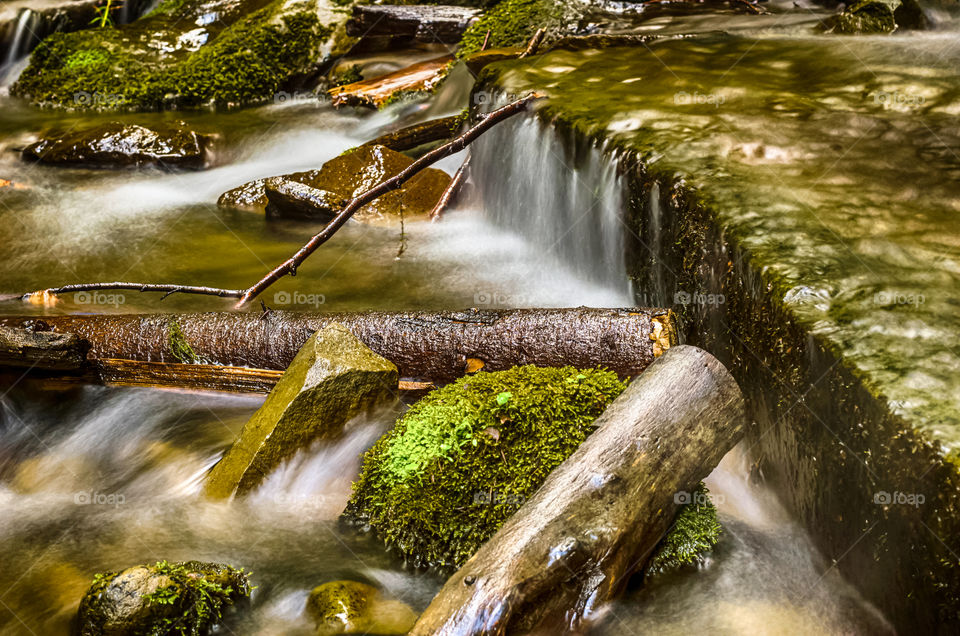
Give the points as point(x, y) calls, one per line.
point(163, 598)
point(116, 144)
point(333, 378)
point(424, 23)
point(351, 607)
point(347, 176)
point(866, 16)
point(289, 199)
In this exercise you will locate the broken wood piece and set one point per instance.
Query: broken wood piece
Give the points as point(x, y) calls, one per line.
point(419, 134)
point(41, 350)
point(424, 23)
point(420, 77)
point(599, 515)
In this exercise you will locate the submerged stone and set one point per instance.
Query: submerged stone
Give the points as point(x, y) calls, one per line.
point(118, 144)
point(347, 176)
point(351, 607)
point(333, 378)
point(164, 598)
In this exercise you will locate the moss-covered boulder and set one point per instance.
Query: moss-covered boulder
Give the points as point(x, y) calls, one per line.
point(350, 607)
point(118, 144)
point(164, 598)
point(346, 176)
point(186, 53)
point(512, 23)
point(466, 456)
point(333, 378)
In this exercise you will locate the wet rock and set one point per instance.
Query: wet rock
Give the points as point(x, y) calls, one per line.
point(288, 199)
point(424, 23)
point(41, 349)
point(350, 607)
point(56, 471)
point(349, 175)
point(866, 16)
point(185, 598)
point(476, 61)
point(187, 54)
point(333, 378)
point(422, 77)
point(116, 144)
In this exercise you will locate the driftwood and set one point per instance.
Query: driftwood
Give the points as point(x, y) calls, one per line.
point(422, 76)
point(289, 267)
point(598, 516)
point(534, 43)
point(426, 346)
point(425, 23)
point(418, 134)
point(41, 350)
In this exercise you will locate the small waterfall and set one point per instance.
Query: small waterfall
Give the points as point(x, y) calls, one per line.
point(22, 39)
point(567, 202)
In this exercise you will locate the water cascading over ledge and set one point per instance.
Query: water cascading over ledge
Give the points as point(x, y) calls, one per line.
point(827, 442)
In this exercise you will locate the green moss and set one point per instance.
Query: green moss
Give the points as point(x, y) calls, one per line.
point(168, 7)
point(513, 22)
point(465, 457)
point(246, 63)
point(866, 16)
point(694, 533)
point(349, 75)
point(180, 349)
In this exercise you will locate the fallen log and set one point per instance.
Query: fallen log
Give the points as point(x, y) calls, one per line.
point(424, 23)
point(419, 134)
point(423, 76)
point(426, 346)
point(599, 515)
point(40, 350)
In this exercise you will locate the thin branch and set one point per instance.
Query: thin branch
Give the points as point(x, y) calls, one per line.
point(140, 287)
point(455, 184)
point(534, 43)
point(290, 265)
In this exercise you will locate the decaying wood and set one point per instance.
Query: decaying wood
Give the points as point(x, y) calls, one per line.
point(418, 134)
point(289, 267)
point(40, 350)
point(534, 43)
point(598, 516)
point(424, 23)
point(422, 76)
point(452, 190)
point(426, 346)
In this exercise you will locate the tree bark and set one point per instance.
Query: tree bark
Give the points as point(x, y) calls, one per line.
point(429, 346)
point(599, 515)
point(425, 23)
point(21, 347)
point(419, 134)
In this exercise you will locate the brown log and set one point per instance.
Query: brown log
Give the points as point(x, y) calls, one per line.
point(422, 76)
point(599, 515)
point(428, 346)
point(418, 134)
point(424, 23)
point(40, 350)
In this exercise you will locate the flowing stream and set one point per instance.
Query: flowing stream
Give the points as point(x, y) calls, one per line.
point(95, 479)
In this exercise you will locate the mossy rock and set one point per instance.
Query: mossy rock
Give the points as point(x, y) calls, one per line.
point(866, 16)
point(465, 456)
point(351, 607)
point(347, 176)
point(696, 530)
point(512, 23)
point(164, 598)
point(251, 53)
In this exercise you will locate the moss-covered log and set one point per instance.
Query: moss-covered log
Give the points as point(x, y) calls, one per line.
point(436, 346)
point(600, 514)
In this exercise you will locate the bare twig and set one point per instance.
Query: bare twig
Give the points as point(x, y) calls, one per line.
point(291, 264)
point(486, 40)
point(534, 43)
point(455, 184)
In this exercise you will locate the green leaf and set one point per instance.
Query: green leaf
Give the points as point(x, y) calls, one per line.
point(503, 398)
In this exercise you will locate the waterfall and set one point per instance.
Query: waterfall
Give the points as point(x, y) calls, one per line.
point(22, 38)
point(567, 202)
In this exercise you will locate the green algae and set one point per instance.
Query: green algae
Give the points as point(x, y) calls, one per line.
point(696, 530)
point(180, 349)
point(466, 456)
point(247, 62)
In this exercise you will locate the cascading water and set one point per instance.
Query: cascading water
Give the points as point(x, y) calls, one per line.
point(569, 206)
point(21, 39)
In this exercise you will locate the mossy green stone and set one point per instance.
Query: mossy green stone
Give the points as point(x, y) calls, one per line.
point(351, 607)
point(333, 378)
point(512, 23)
